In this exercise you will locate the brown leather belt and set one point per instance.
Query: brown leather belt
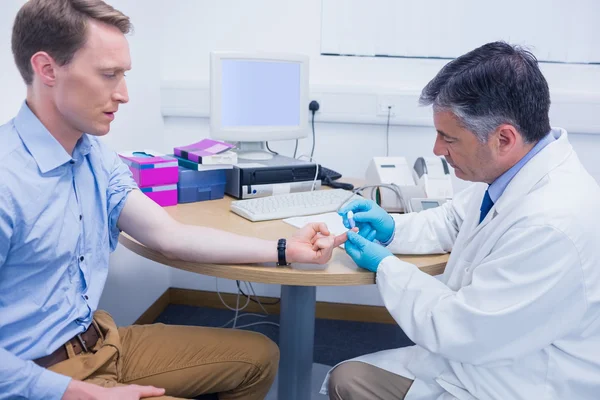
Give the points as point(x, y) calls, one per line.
point(83, 342)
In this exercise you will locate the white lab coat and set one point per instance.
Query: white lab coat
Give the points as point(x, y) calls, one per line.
point(516, 314)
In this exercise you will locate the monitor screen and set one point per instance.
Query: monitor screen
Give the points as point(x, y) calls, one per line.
point(256, 97)
point(260, 93)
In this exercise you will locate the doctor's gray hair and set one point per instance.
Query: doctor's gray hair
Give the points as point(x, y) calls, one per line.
point(492, 85)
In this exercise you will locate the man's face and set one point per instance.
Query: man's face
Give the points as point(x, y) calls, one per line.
point(91, 87)
point(471, 159)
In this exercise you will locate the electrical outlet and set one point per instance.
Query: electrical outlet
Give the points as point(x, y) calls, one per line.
point(386, 105)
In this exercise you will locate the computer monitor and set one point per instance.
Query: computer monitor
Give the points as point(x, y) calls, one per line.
point(258, 97)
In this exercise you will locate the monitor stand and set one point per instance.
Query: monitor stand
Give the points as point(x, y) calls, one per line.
point(255, 151)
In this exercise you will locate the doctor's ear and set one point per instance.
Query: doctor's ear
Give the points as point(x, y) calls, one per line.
point(507, 139)
point(44, 67)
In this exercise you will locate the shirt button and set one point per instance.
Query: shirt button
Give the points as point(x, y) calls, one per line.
point(72, 162)
point(86, 297)
point(81, 258)
point(80, 217)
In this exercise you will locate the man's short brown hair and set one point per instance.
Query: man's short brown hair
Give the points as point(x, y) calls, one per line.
point(58, 27)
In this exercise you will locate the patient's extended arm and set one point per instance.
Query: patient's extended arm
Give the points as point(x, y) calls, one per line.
point(152, 226)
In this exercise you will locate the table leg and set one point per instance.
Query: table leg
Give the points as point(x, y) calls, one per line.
point(296, 341)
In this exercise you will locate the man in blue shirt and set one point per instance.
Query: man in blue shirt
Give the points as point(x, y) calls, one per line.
point(64, 197)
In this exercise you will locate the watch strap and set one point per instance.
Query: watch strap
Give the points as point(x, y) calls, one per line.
point(281, 246)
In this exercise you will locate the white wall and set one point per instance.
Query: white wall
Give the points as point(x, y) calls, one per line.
point(13, 88)
point(194, 28)
point(133, 283)
point(562, 31)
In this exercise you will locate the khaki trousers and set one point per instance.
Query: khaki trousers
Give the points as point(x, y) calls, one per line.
point(187, 361)
point(355, 380)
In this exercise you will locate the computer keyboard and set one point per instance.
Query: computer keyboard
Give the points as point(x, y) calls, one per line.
point(291, 204)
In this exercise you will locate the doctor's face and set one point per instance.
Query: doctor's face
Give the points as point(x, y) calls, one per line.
point(472, 160)
point(91, 87)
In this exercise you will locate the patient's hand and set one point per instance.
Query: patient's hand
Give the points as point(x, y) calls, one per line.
point(313, 244)
point(82, 390)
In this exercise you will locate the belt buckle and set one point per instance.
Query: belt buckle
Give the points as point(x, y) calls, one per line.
point(82, 342)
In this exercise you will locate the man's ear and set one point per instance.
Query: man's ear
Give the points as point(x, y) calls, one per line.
point(507, 137)
point(44, 67)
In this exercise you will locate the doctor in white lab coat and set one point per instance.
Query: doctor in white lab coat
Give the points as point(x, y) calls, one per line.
point(516, 313)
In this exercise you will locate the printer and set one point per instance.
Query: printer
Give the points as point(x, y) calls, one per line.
point(277, 175)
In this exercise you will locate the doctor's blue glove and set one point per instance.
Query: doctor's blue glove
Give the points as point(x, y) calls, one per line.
point(365, 254)
point(369, 218)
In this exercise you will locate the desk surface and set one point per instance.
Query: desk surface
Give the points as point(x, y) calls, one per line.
point(340, 271)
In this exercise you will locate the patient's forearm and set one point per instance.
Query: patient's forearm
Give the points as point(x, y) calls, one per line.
point(201, 244)
point(150, 224)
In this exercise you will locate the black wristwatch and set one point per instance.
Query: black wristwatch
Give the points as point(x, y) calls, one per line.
point(281, 244)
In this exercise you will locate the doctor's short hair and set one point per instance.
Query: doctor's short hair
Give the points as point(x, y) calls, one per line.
point(59, 28)
point(492, 85)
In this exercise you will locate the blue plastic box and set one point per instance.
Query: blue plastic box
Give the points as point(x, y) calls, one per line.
point(200, 185)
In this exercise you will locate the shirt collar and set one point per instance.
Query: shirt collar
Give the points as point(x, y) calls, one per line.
point(499, 185)
point(44, 148)
point(83, 146)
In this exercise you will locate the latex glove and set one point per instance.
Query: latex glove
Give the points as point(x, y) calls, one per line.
point(312, 244)
point(369, 217)
point(366, 254)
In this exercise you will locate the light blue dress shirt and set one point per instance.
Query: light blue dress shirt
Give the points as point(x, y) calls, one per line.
point(499, 185)
point(58, 224)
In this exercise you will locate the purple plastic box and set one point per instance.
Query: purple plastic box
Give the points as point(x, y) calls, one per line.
point(164, 196)
point(151, 168)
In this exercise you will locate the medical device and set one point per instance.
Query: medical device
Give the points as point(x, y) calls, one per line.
point(350, 217)
point(398, 188)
